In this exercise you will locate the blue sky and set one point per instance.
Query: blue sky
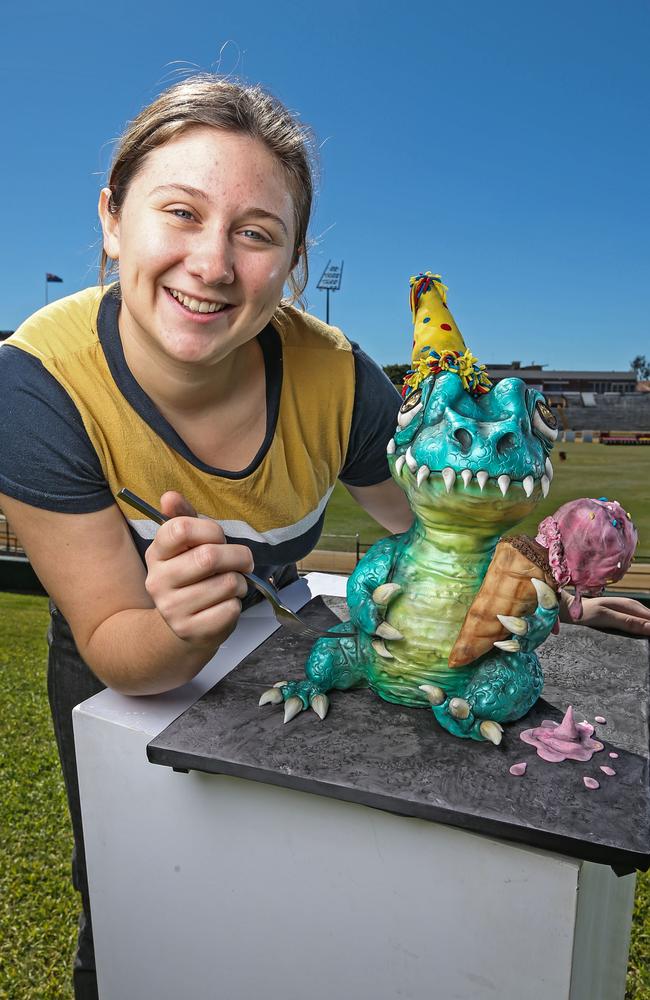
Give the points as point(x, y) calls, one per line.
point(504, 145)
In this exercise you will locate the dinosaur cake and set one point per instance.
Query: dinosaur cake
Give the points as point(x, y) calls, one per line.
point(446, 615)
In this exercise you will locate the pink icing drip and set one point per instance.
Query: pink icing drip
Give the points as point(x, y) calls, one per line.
point(518, 769)
point(567, 741)
point(607, 770)
point(614, 755)
point(591, 783)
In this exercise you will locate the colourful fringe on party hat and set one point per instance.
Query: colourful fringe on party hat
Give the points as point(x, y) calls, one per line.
point(438, 345)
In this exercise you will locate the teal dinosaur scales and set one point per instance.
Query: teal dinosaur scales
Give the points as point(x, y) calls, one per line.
point(473, 461)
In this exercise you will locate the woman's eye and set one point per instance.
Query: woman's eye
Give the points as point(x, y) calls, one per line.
point(183, 213)
point(253, 234)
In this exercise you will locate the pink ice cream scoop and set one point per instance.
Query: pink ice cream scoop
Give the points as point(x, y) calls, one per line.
point(590, 543)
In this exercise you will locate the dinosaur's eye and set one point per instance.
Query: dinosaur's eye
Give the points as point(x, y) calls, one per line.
point(544, 421)
point(411, 405)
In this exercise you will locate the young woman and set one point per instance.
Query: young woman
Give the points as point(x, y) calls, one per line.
point(191, 381)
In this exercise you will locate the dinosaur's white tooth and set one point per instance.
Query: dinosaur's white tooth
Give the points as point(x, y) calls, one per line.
point(549, 470)
point(449, 477)
point(546, 485)
point(380, 648)
point(410, 461)
point(423, 473)
point(399, 464)
point(503, 483)
point(466, 476)
point(482, 478)
point(528, 485)
point(390, 447)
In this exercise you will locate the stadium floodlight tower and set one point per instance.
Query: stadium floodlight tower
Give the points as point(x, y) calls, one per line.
point(330, 281)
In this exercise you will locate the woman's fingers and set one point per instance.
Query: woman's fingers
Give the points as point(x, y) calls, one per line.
point(183, 533)
point(174, 504)
point(194, 575)
point(621, 613)
point(199, 563)
point(627, 605)
point(204, 610)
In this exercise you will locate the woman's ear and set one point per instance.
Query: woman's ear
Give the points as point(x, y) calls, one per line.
point(110, 222)
point(298, 253)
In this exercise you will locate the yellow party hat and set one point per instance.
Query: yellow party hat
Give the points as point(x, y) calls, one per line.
point(438, 344)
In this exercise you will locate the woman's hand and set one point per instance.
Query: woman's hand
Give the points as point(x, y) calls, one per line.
point(620, 613)
point(194, 575)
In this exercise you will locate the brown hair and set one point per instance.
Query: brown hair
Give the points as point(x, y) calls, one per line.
point(205, 99)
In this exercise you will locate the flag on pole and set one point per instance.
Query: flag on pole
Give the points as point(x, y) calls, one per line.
point(52, 277)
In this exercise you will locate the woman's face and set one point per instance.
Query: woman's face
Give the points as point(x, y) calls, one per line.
point(205, 241)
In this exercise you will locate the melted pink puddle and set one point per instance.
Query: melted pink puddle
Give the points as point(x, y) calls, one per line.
point(568, 740)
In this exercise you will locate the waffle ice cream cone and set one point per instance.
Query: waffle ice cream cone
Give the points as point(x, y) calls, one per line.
point(506, 590)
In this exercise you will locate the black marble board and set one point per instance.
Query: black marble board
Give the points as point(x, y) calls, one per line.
point(399, 759)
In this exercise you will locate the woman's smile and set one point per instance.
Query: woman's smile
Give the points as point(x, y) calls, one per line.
point(201, 310)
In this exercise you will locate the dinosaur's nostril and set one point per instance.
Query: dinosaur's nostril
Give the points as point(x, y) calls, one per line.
point(506, 443)
point(464, 439)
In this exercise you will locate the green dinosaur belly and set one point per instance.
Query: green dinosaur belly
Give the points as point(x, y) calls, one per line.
point(429, 613)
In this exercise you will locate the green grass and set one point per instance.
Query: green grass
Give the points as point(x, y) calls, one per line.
point(38, 907)
point(590, 470)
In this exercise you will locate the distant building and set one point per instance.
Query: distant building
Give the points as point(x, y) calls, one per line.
point(557, 383)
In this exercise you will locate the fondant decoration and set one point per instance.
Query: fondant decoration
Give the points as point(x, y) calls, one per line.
point(518, 769)
point(473, 461)
point(438, 345)
point(600, 719)
point(567, 740)
point(590, 544)
point(591, 783)
point(607, 770)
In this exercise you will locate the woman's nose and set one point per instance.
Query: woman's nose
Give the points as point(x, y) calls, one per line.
point(211, 260)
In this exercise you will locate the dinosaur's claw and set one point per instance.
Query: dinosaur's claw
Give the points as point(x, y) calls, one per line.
point(320, 704)
point(270, 697)
point(508, 645)
point(546, 596)
point(386, 631)
point(491, 731)
point(379, 647)
point(385, 593)
point(292, 707)
point(435, 694)
point(459, 708)
point(516, 625)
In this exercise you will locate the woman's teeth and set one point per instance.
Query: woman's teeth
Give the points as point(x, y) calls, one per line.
point(197, 305)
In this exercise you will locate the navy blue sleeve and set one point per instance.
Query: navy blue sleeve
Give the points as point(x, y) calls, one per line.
point(46, 457)
point(374, 419)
